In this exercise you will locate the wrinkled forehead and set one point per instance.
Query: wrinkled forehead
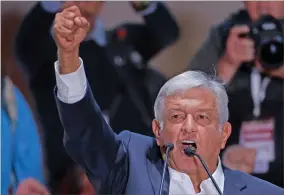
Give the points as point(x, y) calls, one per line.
point(195, 98)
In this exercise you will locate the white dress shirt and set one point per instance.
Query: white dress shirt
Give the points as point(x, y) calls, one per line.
point(72, 88)
point(180, 183)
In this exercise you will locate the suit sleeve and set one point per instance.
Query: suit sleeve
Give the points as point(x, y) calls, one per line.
point(91, 142)
point(159, 31)
point(33, 40)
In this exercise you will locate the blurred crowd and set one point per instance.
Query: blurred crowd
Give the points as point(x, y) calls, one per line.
point(245, 51)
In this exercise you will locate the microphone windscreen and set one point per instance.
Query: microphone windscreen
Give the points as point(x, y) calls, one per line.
point(170, 146)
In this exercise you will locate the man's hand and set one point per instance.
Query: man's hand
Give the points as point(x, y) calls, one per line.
point(31, 186)
point(238, 50)
point(237, 157)
point(70, 28)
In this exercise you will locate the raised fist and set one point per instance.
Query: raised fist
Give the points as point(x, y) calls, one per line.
point(70, 28)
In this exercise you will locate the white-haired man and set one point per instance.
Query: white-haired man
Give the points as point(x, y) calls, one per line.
point(191, 108)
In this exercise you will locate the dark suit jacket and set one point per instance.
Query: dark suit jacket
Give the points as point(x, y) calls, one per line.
point(129, 163)
point(37, 52)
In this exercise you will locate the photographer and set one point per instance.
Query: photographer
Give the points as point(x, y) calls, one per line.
point(254, 78)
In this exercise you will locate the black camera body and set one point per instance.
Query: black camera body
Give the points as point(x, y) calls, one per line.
point(267, 34)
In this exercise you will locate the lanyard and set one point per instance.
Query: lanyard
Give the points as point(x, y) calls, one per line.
point(258, 90)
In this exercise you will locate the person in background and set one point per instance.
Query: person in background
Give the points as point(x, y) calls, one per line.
point(22, 168)
point(106, 54)
point(256, 93)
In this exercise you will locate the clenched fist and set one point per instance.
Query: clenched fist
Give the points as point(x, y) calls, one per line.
point(70, 28)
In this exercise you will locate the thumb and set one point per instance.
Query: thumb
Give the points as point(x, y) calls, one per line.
point(81, 22)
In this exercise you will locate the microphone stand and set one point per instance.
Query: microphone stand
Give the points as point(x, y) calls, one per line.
point(169, 147)
point(190, 151)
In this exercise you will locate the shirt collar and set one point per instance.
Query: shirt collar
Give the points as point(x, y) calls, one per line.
point(206, 185)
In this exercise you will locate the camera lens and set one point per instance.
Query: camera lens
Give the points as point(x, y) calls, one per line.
point(271, 52)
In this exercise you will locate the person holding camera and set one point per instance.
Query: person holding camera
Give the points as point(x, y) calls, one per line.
point(246, 52)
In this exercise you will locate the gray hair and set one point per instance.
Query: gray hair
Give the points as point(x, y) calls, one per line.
point(186, 81)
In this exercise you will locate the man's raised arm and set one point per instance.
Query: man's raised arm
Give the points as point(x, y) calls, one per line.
point(88, 139)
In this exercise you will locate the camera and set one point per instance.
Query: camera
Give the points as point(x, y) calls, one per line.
point(267, 34)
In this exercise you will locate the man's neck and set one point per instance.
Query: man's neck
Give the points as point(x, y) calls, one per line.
point(201, 174)
point(196, 180)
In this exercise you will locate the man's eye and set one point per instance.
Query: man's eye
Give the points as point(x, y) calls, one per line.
point(177, 117)
point(202, 116)
point(203, 119)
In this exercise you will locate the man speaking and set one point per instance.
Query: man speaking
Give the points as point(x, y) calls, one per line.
point(190, 126)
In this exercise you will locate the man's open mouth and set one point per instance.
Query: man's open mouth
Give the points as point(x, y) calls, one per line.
point(187, 143)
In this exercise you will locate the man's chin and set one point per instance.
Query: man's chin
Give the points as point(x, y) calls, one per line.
point(188, 162)
point(189, 167)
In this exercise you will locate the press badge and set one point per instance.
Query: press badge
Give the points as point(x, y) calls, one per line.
point(259, 134)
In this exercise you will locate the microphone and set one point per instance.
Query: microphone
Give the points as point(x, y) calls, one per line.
point(191, 151)
point(169, 147)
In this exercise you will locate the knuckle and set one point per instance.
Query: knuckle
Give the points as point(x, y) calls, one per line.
point(65, 13)
point(56, 27)
point(57, 15)
point(71, 15)
point(76, 7)
point(70, 23)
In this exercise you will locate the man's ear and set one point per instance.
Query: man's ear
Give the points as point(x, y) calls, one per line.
point(226, 132)
point(156, 130)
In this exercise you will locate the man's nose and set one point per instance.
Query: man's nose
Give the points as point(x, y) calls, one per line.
point(189, 124)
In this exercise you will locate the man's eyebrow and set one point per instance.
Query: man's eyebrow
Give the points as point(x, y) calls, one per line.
point(198, 109)
point(207, 109)
point(174, 109)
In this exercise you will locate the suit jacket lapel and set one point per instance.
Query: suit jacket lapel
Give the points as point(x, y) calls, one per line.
point(233, 182)
point(155, 164)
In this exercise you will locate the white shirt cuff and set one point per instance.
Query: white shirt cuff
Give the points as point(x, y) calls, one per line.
point(150, 9)
point(71, 87)
point(51, 6)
